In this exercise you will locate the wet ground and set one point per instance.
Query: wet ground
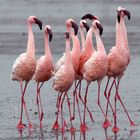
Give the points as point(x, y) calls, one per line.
point(13, 38)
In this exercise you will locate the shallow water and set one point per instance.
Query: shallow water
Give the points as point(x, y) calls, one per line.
point(13, 38)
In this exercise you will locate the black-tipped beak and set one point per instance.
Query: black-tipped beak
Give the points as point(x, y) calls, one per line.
point(119, 16)
point(89, 16)
point(67, 35)
point(75, 27)
point(127, 13)
point(100, 27)
point(50, 34)
point(37, 21)
point(86, 26)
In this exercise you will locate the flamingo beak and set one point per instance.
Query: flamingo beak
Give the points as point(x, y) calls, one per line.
point(50, 34)
point(127, 13)
point(37, 21)
point(119, 16)
point(89, 16)
point(67, 35)
point(86, 26)
point(100, 27)
point(75, 27)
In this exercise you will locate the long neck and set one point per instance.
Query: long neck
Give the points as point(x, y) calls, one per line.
point(68, 59)
point(82, 38)
point(30, 44)
point(47, 48)
point(119, 35)
point(89, 45)
point(76, 45)
point(99, 42)
point(124, 32)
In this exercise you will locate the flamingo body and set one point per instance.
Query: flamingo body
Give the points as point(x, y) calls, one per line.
point(23, 68)
point(96, 67)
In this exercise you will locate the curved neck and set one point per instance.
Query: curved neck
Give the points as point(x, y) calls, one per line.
point(99, 42)
point(30, 44)
point(76, 45)
point(89, 44)
point(82, 38)
point(124, 32)
point(47, 48)
point(68, 58)
point(119, 36)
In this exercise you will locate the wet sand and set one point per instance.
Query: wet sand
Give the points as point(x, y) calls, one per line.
point(13, 38)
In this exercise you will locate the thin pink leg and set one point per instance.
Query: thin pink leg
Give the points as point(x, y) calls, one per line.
point(115, 129)
point(90, 114)
point(56, 124)
point(98, 102)
point(107, 123)
point(38, 102)
point(20, 124)
point(42, 112)
point(62, 117)
point(72, 129)
point(130, 120)
point(83, 127)
point(74, 95)
point(77, 101)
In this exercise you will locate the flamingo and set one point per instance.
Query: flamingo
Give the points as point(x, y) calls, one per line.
point(95, 68)
point(70, 23)
point(63, 80)
point(83, 24)
point(119, 59)
point(44, 68)
point(24, 66)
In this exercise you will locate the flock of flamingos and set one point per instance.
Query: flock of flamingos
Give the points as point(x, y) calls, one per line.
point(82, 62)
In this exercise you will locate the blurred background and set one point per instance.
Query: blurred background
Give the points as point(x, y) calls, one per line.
point(14, 14)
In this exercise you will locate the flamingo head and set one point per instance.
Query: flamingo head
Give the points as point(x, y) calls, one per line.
point(127, 13)
point(48, 30)
point(34, 19)
point(71, 23)
point(97, 25)
point(67, 35)
point(122, 12)
point(83, 24)
point(90, 17)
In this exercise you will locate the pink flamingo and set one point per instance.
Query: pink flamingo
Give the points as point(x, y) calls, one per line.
point(96, 66)
point(24, 66)
point(83, 24)
point(84, 56)
point(63, 80)
point(70, 23)
point(119, 58)
point(44, 68)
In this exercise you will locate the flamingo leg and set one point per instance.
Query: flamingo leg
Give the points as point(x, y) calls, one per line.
point(84, 127)
point(80, 97)
point(119, 98)
point(115, 129)
point(23, 104)
point(62, 118)
point(107, 123)
point(56, 125)
point(38, 101)
point(78, 105)
point(42, 112)
point(72, 129)
point(98, 102)
point(74, 96)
